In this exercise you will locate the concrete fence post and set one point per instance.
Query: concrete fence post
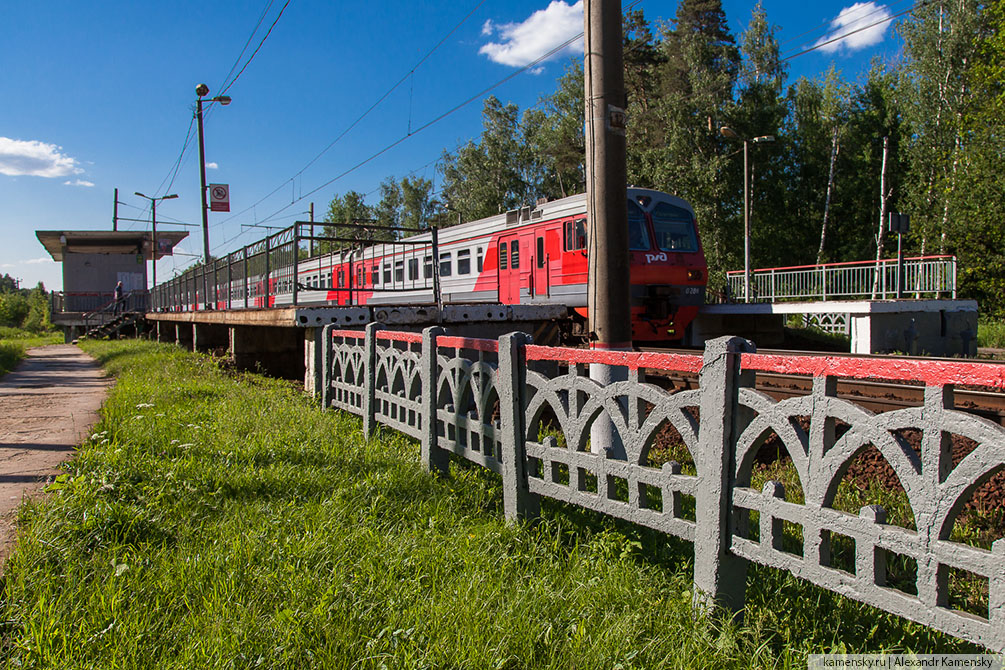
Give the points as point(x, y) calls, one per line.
point(434, 459)
point(518, 501)
point(323, 369)
point(719, 576)
point(370, 379)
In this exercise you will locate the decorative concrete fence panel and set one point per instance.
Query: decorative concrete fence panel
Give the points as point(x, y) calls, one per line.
point(532, 414)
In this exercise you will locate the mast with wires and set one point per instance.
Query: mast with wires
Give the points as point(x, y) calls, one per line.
point(606, 177)
point(608, 293)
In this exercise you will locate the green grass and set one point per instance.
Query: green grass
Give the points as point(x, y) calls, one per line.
point(217, 520)
point(14, 344)
point(991, 334)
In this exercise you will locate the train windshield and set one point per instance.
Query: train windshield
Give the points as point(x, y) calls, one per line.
point(638, 236)
point(674, 228)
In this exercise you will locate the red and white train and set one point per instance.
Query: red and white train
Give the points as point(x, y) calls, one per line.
point(534, 255)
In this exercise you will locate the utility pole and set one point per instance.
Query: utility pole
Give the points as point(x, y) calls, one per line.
point(115, 212)
point(608, 298)
point(608, 293)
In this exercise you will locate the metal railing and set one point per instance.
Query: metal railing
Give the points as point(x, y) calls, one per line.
point(920, 277)
point(295, 267)
point(89, 303)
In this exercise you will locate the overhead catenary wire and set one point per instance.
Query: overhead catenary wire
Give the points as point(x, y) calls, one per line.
point(356, 122)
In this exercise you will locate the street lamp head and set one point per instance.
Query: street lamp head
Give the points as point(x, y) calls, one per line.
point(222, 99)
point(202, 90)
point(726, 131)
point(764, 138)
point(141, 195)
point(170, 197)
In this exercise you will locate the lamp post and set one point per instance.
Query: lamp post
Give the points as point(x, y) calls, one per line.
point(202, 90)
point(728, 132)
point(153, 228)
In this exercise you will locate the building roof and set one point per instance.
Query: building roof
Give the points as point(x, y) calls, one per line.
point(58, 242)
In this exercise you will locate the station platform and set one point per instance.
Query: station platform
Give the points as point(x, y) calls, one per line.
point(934, 327)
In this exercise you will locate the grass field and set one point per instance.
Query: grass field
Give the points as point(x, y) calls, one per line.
point(991, 334)
point(217, 520)
point(14, 343)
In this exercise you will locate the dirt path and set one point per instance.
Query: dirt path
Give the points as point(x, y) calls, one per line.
point(48, 405)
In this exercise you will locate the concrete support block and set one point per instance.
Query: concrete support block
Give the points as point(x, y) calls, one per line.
point(276, 351)
point(518, 501)
point(720, 578)
point(313, 361)
point(434, 459)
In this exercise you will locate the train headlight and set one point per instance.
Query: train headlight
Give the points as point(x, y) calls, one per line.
point(694, 275)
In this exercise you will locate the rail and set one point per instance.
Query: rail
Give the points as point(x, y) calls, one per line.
point(508, 406)
point(295, 267)
point(922, 276)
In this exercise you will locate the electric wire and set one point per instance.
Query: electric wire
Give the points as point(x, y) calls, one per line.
point(360, 118)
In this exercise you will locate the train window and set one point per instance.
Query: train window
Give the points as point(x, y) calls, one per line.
point(540, 252)
point(399, 271)
point(387, 273)
point(427, 267)
point(341, 278)
point(674, 228)
point(360, 275)
point(638, 235)
point(464, 262)
point(481, 258)
point(375, 275)
point(575, 235)
point(445, 264)
point(514, 255)
point(503, 255)
point(413, 269)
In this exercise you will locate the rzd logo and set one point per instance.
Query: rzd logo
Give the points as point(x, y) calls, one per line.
point(652, 258)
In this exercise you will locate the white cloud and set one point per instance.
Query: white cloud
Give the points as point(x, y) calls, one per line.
point(212, 166)
point(38, 261)
point(864, 23)
point(35, 159)
point(545, 29)
point(79, 182)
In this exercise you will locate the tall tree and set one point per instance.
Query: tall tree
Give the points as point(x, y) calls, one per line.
point(488, 177)
point(418, 207)
point(351, 208)
point(696, 72)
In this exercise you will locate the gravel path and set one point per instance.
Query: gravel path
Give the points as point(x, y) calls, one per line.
point(48, 405)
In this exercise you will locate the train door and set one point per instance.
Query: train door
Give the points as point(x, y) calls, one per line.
point(509, 270)
point(540, 265)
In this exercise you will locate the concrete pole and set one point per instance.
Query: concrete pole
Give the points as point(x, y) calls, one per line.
point(608, 294)
point(606, 177)
point(746, 221)
point(115, 212)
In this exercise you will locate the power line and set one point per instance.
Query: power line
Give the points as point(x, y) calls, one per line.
point(362, 116)
point(857, 30)
point(831, 21)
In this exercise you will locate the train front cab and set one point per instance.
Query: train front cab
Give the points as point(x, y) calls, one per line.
point(668, 269)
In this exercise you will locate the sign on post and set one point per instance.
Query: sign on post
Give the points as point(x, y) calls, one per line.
point(219, 198)
point(900, 223)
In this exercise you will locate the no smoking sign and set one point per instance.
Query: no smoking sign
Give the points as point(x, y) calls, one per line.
point(219, 198)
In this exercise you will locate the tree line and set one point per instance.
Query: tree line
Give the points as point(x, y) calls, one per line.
point(924, 136)
point(27, 309)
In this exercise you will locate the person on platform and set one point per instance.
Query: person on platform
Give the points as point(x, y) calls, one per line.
point(118, 298)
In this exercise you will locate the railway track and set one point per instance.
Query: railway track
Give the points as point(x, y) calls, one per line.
point(877, 396)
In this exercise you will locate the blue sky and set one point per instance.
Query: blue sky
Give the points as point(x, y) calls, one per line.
point(98, 96)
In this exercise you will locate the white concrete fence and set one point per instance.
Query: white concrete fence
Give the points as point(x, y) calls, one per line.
point(491, 398)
